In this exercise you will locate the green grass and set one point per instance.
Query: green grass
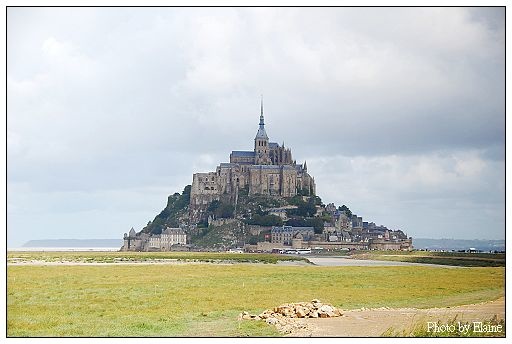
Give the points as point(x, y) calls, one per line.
point(205, 299)
point(440, 258)
point(112, 257)
point(450, 328)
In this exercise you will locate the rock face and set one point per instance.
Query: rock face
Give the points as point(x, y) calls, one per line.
point(283, 316)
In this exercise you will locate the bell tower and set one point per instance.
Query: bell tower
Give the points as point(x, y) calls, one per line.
point(261, 147)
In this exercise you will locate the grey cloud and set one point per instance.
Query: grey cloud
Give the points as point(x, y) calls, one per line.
point(102, 99)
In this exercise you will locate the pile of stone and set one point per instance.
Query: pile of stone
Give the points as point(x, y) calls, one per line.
point(280, 316)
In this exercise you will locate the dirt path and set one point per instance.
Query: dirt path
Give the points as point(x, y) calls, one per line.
point(374, 322)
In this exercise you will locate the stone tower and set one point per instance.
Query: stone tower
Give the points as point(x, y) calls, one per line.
point(261, 146)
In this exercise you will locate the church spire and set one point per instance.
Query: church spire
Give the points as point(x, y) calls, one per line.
point(305, 166)
point(262, 122)
point(261, 134)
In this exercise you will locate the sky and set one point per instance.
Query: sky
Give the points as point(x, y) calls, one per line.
point(399, 112)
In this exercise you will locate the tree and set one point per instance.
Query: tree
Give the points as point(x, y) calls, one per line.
point(156, 226)
point(169, 216)
point(300, 192)
point(224, 211)
point(346, 210)
point(265, 220)
point(318, 200)
point(244, 191)
point(307, 209)
point(213, 206)
point(295, 200)
point(185, 196)
point(220, 209)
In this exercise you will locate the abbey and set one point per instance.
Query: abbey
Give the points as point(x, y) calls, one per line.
point(267, 170)
point(255, 191)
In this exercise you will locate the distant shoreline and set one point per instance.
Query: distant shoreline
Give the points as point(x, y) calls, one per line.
point(66, 249)
point(115, 244)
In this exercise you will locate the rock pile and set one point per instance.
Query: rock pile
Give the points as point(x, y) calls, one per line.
point(282, 315)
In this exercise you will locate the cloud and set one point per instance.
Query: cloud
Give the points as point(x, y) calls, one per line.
point(110, 99)
point(416, 193)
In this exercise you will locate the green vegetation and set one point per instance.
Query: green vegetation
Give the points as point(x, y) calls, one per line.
point(252, 210)
point(217, 237)
point(264, 220)
point(205, 299)
point(221, 209)
point(254, 239)
point(441, 258)
point(255, 204)
point(346, 210)
point(303, 192)
point(304, 208)
point(450, 329)
point(113, 257)
point(243, 191)
point(176, 206)
point(304, 215)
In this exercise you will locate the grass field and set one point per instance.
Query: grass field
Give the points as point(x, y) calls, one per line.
point(113, 257)
point(205, 299)
point(439, 258)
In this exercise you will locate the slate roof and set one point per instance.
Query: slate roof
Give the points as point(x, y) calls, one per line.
point(243, 154)
point(261, 134)
point(170, 231)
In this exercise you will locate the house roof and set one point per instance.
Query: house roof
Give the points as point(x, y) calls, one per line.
point(173, 231)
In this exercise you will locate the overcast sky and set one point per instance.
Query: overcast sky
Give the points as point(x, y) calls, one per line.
point(399, 112)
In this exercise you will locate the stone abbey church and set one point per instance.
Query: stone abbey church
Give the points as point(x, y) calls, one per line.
point(267, 170)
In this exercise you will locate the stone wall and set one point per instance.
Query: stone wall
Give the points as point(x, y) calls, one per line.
point(381, 244)
point(264, 247)
point(337, 245)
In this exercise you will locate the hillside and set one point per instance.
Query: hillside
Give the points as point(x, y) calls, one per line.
point(249, 219)
point(174, 213)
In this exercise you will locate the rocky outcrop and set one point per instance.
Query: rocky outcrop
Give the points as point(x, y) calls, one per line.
point(283, 316)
